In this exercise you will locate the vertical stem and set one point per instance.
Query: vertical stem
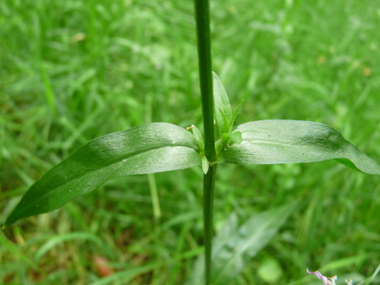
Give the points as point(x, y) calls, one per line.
point(208, 205)
point(155, 199)
point(204, 58)
point(151, 179)
point(153, 189)
point(202, 18)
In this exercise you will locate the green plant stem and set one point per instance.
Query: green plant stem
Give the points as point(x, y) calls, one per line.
point(208, 205)
point(151, 179)
point(153, 189)
point(202, 12)
point(205, 74)
point(155, 199)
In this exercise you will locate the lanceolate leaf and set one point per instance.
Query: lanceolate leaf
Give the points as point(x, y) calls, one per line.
point(287, 141)
point(232, 255)
point(198, 139)
point(234, 248)
point(234, 115)
point(222, 104)
point(146, 149)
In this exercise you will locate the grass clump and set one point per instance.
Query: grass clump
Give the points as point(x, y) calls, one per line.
point(93, 69)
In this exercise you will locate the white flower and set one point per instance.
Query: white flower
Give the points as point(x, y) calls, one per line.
point(325, 280)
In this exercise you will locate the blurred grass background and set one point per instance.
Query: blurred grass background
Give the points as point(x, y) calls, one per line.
point(71, 71)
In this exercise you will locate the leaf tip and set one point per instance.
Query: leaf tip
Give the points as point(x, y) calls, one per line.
point(7, 224)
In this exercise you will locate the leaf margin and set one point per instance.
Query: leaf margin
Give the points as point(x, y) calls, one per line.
point(173, 138)
point(251, 149)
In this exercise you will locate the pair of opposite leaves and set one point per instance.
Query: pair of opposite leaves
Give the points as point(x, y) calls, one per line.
point(160, 147)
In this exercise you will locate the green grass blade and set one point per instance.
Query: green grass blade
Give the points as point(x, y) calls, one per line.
point(151, 148)
point(370, 279)
point(288, 141)
point(14, 250)
point(67, 237)
point(48, 90)
point(155, 198)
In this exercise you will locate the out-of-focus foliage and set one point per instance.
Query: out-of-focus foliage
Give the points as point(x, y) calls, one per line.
point(72, 71)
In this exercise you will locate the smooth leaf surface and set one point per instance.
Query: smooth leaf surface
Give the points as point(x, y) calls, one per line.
point(205, 165)
point(198, 138)
point(234, 248)
point(151, 148)
point(288, 141)
point(222, 104)
point(234, 115)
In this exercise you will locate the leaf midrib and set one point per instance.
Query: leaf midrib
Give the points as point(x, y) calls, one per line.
point(93, 170)
point(269, 142)
point(238, 252)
